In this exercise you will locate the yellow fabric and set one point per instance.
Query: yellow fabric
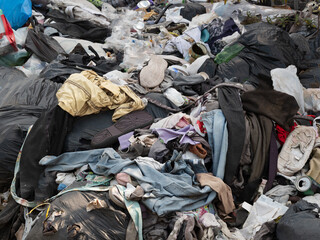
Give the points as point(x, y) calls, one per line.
point(87, 93)
point(149, 15)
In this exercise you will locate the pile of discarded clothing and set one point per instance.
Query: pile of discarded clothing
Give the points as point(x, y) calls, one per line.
point(159, 120)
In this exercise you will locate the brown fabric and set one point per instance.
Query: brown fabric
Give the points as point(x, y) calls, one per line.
point(246, 153)
point(224, 191)
point(278, 106)
point(137, 194)
point(177, 227)
point(256, 149)
point(245, 160)
point(260, 135)
point(131, 233)
point(20, 232)
point(127, 123)
point(205, 145)
point(198, 150)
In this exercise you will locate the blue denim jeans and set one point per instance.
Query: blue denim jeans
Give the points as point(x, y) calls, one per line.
point(217, 131)
point(164, 191)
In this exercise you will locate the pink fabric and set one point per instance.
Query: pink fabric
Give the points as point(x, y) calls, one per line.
point(123, 179)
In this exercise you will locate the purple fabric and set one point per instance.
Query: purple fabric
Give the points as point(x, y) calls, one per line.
point(124, 140)
point(169, 134)
point(273, 162)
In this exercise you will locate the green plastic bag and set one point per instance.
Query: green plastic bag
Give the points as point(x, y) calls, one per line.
point(228, 53)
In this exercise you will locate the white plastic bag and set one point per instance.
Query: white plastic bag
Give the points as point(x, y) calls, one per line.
point(174, 96)
point(312, 99)
point(263, 210)
point(173, 14)
point(117, 77)
point(201, 19)
point(21, 35)
point(286, 80)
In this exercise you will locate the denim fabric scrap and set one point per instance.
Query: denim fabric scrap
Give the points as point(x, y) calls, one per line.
point(164, 192)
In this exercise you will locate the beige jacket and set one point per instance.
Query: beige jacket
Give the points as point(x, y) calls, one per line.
point(87, 93)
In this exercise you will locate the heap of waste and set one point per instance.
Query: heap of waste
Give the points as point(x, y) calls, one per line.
point(127, 119)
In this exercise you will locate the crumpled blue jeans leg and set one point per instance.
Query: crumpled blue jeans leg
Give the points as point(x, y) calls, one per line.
point(216, 126)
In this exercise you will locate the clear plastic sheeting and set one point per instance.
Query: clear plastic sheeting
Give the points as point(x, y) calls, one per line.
point(33, 66)
point(242, 8)
point(136, 52)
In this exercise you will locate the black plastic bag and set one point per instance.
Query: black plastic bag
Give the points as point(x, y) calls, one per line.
point(310, 78)
point(300, 222)
point(80, 58)
point(14, 124)
point(73, 221)
point(266, 47)
point(235, 67)
point(46, 138)
point(17, 89)
point(191, 10)
point(34, 92)
point(45, 47)
point(78, 28)
point(58, 72)
point(10, 76)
